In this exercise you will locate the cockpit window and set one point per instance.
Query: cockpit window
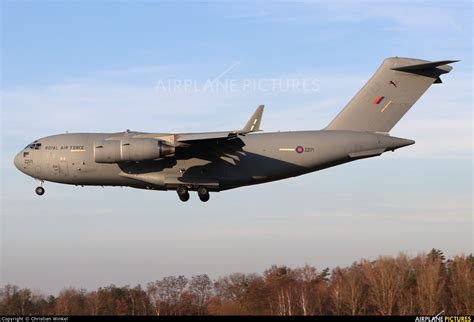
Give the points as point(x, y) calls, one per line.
point(33, 146)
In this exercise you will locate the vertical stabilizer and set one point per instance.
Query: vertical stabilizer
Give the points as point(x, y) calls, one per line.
point(389, 94)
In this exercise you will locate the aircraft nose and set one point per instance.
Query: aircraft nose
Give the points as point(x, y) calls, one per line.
point(17, 162)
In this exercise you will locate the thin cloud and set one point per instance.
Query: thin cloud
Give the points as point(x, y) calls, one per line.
point(400, 16)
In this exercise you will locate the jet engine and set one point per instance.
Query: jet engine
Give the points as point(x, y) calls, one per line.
point(113, 151)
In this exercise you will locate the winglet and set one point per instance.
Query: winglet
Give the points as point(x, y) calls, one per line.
point(253, 124)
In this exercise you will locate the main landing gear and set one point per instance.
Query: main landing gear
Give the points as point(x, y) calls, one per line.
point(203, 193)
point(183, 193)
point(40, 190)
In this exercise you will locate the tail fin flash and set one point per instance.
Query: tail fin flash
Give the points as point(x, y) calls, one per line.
point(389, 94)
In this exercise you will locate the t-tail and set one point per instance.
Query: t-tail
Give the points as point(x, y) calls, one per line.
point(389, 94)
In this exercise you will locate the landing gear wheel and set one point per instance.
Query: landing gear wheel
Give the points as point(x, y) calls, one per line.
point(39, 191)
point(203, 193)
point(183, 193)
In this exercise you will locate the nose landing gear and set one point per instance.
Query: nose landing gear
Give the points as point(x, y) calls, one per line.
point(39, 191)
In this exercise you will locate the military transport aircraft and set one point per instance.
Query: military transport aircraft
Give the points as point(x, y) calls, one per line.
point(216, 161)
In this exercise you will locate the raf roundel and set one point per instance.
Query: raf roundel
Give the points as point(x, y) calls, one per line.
point(299, 149)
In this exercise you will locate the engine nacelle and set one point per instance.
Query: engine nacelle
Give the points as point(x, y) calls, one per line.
point(113, 151)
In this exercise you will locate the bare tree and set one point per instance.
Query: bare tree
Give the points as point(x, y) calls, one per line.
point(280, 282)
point(200, 287)
point(241, 294)
point(461, 284)
point(92, 302)
point(71, 301)
point(348, 290)
point(306, 279)
point(430, 282)
point(15, 300)
point(386, 278)
point(166, 294)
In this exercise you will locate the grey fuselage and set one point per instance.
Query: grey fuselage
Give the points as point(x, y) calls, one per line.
point(218, 165)
point(216, 161)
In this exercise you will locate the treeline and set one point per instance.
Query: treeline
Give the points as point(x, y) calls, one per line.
point(423, 285)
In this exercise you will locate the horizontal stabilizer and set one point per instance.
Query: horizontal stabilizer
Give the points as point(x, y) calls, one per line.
point(426, 66)
point(366, 154)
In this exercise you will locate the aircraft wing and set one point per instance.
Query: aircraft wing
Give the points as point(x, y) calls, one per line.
point(253, 125)
point(189, 137)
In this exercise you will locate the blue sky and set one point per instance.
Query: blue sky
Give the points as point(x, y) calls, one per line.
point(95, 67)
